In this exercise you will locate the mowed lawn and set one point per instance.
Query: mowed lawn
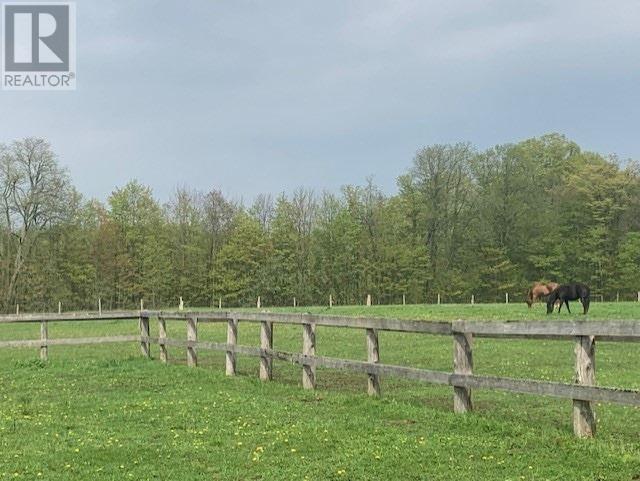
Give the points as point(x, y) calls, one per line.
point(104, 413)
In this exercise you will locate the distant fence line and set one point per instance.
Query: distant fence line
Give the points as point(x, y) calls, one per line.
point(435, 298)
point(584, 333)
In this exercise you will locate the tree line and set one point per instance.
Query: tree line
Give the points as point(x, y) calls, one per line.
point(463, 222)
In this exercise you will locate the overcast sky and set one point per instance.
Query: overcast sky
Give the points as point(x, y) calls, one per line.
point(256, 97)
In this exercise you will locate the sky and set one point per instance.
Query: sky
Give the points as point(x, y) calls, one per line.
point(264, 97)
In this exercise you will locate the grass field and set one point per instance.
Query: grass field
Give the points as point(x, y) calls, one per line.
point(104, 413)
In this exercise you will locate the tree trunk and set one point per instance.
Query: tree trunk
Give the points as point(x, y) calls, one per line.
point(17, 267)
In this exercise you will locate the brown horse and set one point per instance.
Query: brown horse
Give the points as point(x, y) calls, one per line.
point(539, 290)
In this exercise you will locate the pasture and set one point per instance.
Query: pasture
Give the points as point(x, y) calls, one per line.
point(104, 412)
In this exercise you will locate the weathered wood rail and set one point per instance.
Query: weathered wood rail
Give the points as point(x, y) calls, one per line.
point(44, 342)
point(582, 393)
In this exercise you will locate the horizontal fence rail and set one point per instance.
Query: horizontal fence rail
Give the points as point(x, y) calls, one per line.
point(70, 341)
point(547, 388)
point(627, 331)
point(584, 334)
point(71, 316)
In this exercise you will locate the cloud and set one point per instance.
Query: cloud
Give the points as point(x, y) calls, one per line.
point(266, 96)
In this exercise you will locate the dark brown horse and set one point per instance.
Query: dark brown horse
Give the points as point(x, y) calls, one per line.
point(569, 292)
point(538, 291)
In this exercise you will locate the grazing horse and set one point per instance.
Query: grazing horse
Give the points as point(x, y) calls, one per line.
point(569, 292)
point(538, 291)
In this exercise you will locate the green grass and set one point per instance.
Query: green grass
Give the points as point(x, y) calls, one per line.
point(485, 312)
point(104, 413)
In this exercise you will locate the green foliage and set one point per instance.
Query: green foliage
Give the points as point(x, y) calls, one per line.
point(238, 264)
point(462, 223)
point(628, 261)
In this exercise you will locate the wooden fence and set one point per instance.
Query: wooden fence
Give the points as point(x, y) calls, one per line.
point(583, 392)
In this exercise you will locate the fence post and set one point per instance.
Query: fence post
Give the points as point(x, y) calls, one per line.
point(506, 298)
point(330, 300)
point(144, 335)
point(438, 299)
point(232, 340)
point(309, 349)
point(192, 339)
point(99, 306)
point(17, 309)
point(44, 335)
point(462, 364)
point(266, 342)
point(638, 296)
point(59, 307)
point(373, 355)
point(162, 339)
point(473, 299)
point(584, 418)
point(404, 300)
point(368, 300)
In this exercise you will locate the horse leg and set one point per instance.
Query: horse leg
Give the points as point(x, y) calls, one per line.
point(566, 301)
point(559, 307)
point(585, 305)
